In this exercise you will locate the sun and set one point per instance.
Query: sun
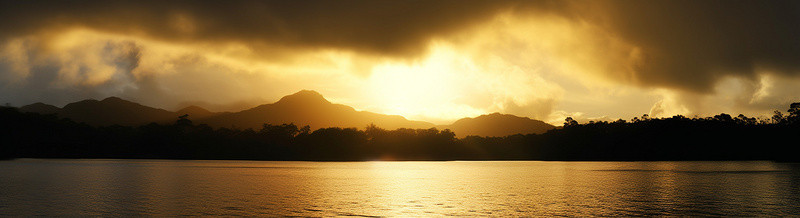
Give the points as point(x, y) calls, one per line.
point(429, 88)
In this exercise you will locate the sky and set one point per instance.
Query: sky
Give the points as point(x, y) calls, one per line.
point(435, 61)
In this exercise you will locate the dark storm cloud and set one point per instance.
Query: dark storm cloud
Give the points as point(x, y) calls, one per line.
point(685, 44)
point(691, 44)
point(381, 27)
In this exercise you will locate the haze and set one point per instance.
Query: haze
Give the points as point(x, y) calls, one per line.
point(434, 61)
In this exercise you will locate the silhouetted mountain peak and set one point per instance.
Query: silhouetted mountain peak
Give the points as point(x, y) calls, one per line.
point(37, 104)
point(114, 110)
point(497, 124)
point(303, 98)
point(195, 112)
point(496, 116)
point(107, 102)
point(308, 107)
point(41, 108)
point(112, 99)
point(193, 108)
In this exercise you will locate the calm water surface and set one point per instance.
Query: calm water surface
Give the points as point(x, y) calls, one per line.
point(165, 187)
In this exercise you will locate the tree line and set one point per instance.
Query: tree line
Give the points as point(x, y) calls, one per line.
point(721, 137)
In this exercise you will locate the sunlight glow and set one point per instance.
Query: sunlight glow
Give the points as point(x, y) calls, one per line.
point(540, 67)
point(429, 88)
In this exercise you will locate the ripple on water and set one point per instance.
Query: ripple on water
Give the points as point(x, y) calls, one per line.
point(373, 189)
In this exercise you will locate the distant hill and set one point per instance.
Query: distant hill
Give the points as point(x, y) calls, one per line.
point(40, 108)
point(309, 108)
point(113, 110)
point(497, 124)
point(195, 112)
point(302, 108)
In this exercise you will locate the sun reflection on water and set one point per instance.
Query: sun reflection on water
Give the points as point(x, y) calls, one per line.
point(472, 188)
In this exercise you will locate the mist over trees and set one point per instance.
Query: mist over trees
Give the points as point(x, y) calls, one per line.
point(721, 137)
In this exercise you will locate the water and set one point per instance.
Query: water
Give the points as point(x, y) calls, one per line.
point(252, 188)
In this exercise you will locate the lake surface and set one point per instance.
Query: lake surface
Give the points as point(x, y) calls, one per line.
point(521, 188)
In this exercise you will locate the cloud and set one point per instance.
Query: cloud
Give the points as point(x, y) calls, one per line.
point(732, 95)
point(84, 65)
point(691, 45)
point(543, 59)
point(87, 70)
point(379, 27)
point(670, 104)
point(679, 44)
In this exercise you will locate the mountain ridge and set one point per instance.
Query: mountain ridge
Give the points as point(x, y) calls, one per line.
point(40, 108)
point(306, 107)
point(497, 124)
point(114, 111)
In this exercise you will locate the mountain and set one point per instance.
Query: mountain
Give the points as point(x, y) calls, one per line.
point(195, 112)
point(309, 108)
point(302, 108)
point(40, 108)
point(113, 110)
point(497, 124)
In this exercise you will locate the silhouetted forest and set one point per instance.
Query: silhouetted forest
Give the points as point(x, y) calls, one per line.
point(721, 137)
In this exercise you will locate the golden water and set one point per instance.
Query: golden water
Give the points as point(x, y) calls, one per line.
point(520, 188)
